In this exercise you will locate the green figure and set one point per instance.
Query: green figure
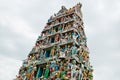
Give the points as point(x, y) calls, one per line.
point(46, 74)
point(62, 74)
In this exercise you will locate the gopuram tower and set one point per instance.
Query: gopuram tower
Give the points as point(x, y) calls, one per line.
point(60, 52)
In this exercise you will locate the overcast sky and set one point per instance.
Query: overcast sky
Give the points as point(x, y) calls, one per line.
point(21, 21)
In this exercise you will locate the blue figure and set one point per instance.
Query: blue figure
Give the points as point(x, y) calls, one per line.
point(78, 41)
point(53, 63)
point(49, 31)
point(42, 54)
point(39, 72)
point(47, 53)
point(74, 49)
point(56, 67)
point(30, 69)
point(63, 49)
point(60, 28)
point(66, 47)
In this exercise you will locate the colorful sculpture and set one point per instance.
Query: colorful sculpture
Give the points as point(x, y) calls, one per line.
point(60, 52)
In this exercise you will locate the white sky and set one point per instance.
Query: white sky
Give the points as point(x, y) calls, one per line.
point(21, 21)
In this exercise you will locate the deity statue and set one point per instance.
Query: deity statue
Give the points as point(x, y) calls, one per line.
point(57, 37)
point(46, 73)
point(39, 73)
point(69, 37)
point(62, 54)
point(52, 53)
point(74, 49)
point(42, 54)
point(73, 69)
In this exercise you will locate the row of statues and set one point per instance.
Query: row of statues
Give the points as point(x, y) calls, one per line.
point(58, 51)
point(66, 68)
point(80, 55)
point(62, 38)
point(53, 28)
point(65, 11)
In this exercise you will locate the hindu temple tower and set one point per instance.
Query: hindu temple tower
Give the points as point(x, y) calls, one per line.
point(60, 52)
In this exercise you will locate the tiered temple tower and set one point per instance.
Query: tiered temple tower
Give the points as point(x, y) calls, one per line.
point(60, 52)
